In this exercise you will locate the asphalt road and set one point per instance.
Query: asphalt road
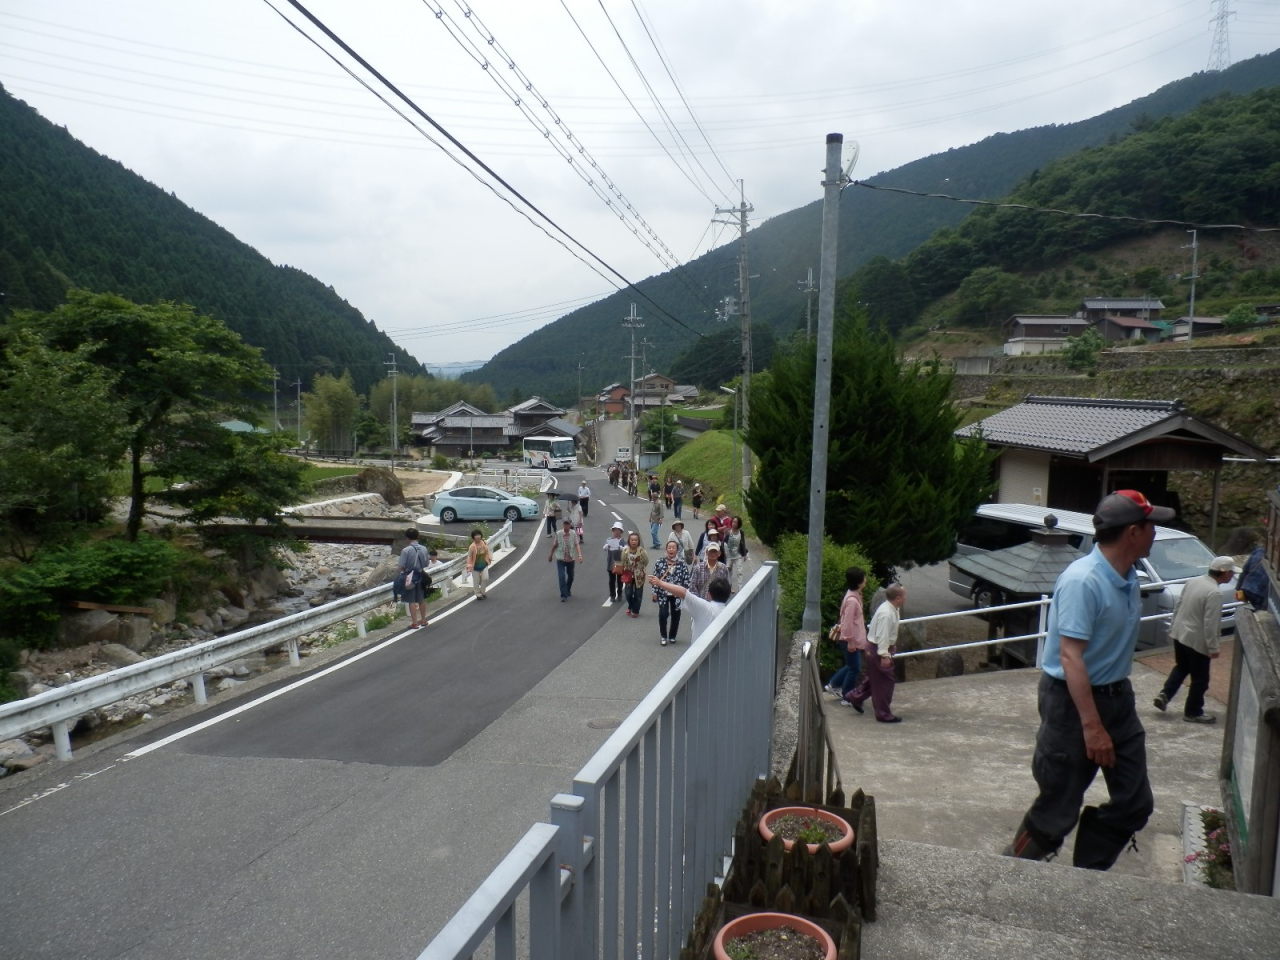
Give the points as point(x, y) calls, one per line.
point(343, 813)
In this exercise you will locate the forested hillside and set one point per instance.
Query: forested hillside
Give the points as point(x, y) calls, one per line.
point(70, 217)
point(1218, 164)
point(782, 248)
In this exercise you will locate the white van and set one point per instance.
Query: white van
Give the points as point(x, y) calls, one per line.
point(1176, 556)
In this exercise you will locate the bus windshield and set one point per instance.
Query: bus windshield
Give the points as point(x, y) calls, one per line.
point(562, 448)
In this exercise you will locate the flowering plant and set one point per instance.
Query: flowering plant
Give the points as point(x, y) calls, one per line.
point(1215, 859)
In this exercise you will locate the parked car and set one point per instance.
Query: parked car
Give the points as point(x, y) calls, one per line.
point(1176, 557)
point(481, 503)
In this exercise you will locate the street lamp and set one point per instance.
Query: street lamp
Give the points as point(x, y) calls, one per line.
point(737, 472)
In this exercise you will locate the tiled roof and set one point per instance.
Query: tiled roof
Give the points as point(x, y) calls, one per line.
point(1070, 425)
point(1042, 318)
point(1028, 569)
point(1136, 323)
point(528, 406)
point(564, 426)
point(484, 420)
point(1123, 303)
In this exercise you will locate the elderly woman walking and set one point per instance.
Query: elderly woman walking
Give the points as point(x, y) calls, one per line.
point(634, 564)
point(670, 568)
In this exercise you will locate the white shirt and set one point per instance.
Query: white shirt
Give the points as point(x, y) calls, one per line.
point(584, 491)
point(883, 632)
point(702, 612)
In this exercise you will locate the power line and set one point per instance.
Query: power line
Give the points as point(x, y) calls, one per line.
point(1066, 213)
point(675, 83)
point(687, 175)
point(672, 127)
point(465, 150)
point(557, 127)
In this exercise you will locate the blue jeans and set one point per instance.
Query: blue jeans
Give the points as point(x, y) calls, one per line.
point(844, 678)
point(655, 528)
point(564, 573)
point(677, 505)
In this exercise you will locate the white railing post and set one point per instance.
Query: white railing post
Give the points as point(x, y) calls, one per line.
point(62, 739)
point(566, 813)
point(197, 687)
point(361, 630)
point(1042, 630)
point(294, 659)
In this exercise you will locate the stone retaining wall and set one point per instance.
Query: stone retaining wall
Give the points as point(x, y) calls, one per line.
point(358, 505)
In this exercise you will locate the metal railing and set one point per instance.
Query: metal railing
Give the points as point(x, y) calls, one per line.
point(59, 707)
point(1041, 630)
point(817, 771)
point(651, 816)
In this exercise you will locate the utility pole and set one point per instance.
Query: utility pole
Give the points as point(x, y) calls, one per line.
point(632, 322)
point(808, 289)
point(832, 184)
point(275, 399)
point(744, 310)
point(1191, 320)
point(579, 403)
point(644, 364)
point(299, 407)
point(395, 411)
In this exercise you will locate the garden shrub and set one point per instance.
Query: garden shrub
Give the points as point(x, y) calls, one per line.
point(33, 595)
point(792, 552)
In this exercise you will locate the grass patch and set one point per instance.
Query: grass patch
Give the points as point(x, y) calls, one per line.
point(708, 460)
point(714, 413)
point(311, 473)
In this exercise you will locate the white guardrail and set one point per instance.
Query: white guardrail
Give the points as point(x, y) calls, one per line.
point(1041, 630)
point(59, 707)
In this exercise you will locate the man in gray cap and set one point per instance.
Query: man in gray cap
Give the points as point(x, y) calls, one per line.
point(1196, 630)
point(1088, 718)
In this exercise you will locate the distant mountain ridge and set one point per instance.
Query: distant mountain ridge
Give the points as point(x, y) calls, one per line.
point(783, 247)
point(70, 216)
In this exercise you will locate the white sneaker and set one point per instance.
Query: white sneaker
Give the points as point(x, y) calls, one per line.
point(662, 642)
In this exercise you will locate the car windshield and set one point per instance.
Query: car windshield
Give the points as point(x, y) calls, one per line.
point(1180, 558)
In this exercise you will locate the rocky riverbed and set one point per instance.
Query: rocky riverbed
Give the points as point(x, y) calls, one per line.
point(315, 576)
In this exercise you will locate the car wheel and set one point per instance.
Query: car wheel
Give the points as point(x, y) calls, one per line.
point(448, 515)
point(985, 595)
point(512, 514)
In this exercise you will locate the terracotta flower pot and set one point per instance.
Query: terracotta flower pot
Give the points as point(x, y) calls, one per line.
point(811, 813)
point(754, 922)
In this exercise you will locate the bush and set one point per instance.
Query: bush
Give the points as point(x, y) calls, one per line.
point(792, 551)
point(439, 462)
point(32, 595)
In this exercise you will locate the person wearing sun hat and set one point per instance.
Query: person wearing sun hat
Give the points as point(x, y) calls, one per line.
point(1088, 717)
point(613, 547)
point(683, 537)
point(1196, 630)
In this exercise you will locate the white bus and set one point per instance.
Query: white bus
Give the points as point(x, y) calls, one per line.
point(550, 453)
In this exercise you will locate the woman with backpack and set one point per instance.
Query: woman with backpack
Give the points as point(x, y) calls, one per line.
point(413, 562)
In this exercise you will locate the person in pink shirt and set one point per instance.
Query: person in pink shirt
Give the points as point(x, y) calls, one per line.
point(723, 521)
point(852, 634)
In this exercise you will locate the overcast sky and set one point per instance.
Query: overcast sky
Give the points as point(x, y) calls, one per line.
point(226, 105)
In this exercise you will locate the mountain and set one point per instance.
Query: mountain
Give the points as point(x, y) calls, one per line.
point(783, 247)
point(70, 217)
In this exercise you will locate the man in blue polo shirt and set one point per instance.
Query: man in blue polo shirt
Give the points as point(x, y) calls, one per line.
point(1087, 714)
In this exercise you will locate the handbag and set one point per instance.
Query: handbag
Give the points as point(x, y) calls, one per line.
point(626, 576)
point(834, 633)
point(617, 569)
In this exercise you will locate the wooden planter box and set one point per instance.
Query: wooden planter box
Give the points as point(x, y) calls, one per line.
point(835, 891)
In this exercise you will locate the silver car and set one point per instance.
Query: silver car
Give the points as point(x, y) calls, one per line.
point(481, 503)
point(1176, 557)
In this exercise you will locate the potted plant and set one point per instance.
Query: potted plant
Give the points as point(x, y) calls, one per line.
point(808, 825)
point(773, 936)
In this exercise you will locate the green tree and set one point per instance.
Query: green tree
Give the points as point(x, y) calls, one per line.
point(883, 289)
point(1081, 353)
point(61, 438)
point(330, 411)
point(900, 485)
point(174, 369)
point(1241, 315)
point(988, 295)
point(227, 474)
point(659, 430)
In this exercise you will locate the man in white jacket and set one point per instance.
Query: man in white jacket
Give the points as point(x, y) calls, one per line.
point(1196, 630)
point(882, 638)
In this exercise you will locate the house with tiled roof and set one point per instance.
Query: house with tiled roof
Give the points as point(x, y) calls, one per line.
point(1066, 452)
point(461, 428)
point(1119, 329)
point(1146, 308)
point(1029, 334)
